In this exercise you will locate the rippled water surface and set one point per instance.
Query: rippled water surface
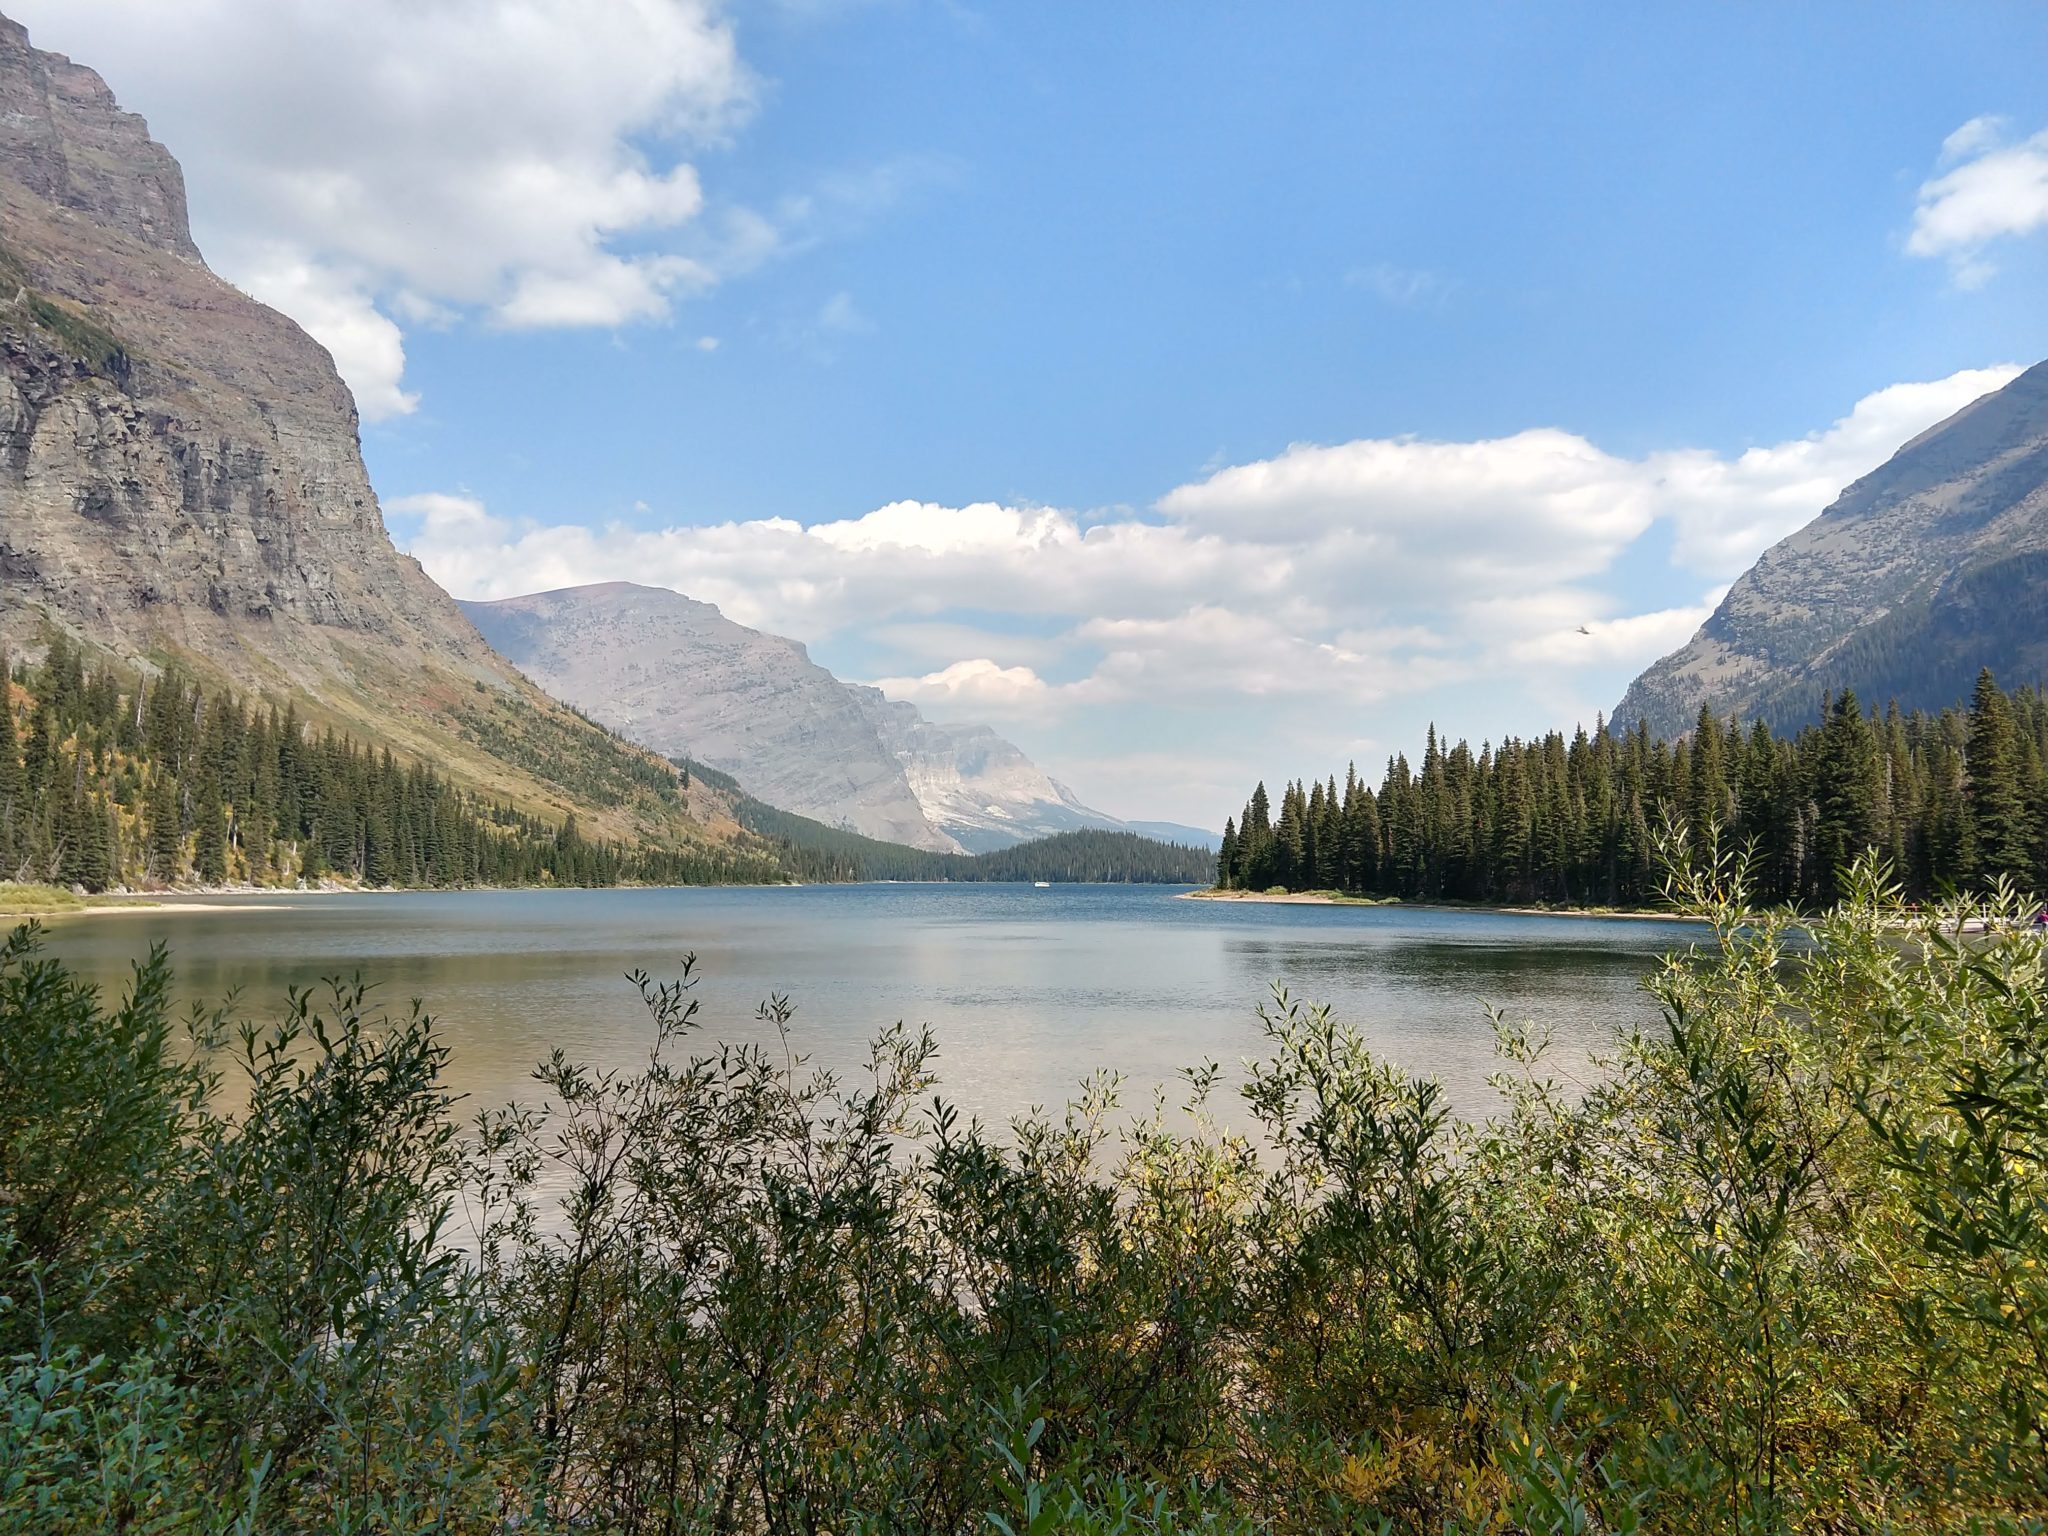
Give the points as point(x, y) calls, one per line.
point(1028, 990)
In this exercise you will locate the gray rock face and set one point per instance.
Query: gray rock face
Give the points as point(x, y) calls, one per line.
point(63, 140)
point(179, 465)
point(1933, 565)
point(180, 480)
point(678, 676)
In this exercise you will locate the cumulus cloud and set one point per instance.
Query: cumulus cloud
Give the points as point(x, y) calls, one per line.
point(523, 161)
point(971, 685)
point(1547, 505)
point(1626, 639)
point(1991, 186)
point(1312, 591)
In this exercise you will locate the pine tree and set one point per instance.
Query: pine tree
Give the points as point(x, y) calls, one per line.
point(210, 847)
point(13, 782)
point(165, 856)
point(1997, 792)
point(1845, 780)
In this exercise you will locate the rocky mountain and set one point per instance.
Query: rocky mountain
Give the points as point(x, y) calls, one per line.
point(1927, 569)
point(983, 790)
point(680, 677)
point(181, 478)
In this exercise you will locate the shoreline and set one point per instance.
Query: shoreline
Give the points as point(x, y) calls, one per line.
point(1319, 899)
point(203, 899)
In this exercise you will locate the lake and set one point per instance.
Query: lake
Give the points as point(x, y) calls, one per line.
point(1028, 990)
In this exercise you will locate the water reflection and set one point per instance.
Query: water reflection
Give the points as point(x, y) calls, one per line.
point(1027, 990)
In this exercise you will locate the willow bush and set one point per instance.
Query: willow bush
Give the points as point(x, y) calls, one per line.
point(1783, 1268)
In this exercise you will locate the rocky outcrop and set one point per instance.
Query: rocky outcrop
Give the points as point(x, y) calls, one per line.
point(64, 141)
point(179, 464)
point(678, 676)
point(1925, 570)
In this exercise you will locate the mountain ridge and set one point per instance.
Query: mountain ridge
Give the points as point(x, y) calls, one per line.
point(697, 684)
point(1923, 571)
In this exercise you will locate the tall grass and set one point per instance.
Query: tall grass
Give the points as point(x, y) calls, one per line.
point(1785, 1269)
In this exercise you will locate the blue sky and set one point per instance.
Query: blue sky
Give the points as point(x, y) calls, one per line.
point(1248, 386)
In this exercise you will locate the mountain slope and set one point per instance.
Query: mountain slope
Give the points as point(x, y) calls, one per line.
point(1930, 567)
point(980, 788)
point(181, 480)
point(678, 676)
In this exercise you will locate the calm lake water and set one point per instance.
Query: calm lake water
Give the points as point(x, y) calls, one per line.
point(1028, 990)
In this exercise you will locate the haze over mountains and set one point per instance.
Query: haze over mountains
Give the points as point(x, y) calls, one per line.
point(1931, 567)
point(676, 675)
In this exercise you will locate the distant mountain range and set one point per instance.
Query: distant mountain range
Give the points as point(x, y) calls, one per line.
point(678, 676)
point(1927, 569)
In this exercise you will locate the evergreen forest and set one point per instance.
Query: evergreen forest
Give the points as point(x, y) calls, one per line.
point(1954, 801)
point(110, 780)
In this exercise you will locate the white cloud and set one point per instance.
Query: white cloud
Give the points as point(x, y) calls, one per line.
point(1548, 506)
point(1626, 639)
point(1727, 511)
point(1312, 592)
point(839, 313)
point(1993, 187)
point(525, 161)
point(969, 685)
point(367, 347)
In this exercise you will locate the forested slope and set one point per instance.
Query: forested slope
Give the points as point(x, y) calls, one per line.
point(109, 778)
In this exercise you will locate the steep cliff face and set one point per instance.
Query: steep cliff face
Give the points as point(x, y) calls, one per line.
point(678, 676)
point(1925, 570)
point(63, 140)
point(180, 475)
point(179, 463)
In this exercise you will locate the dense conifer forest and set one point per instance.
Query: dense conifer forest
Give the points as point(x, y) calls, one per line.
point(110, 780)
point(1953, 801)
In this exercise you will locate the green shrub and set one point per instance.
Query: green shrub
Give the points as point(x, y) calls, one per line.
point(1783, 1267)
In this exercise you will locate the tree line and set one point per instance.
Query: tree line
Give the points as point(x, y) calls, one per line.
point(811, 850)
point(1953, 801)
point(109, 780)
